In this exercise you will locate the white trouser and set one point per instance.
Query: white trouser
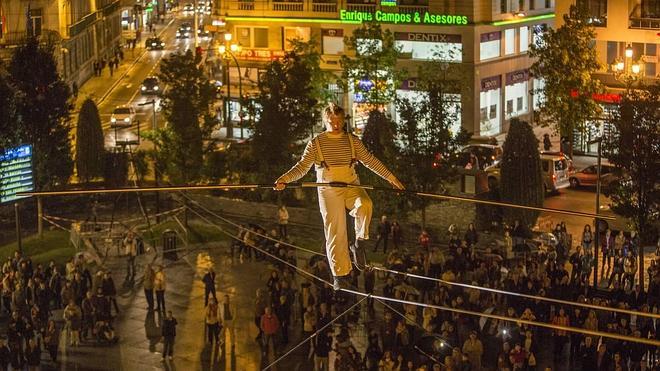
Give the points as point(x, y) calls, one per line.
point(333, 203)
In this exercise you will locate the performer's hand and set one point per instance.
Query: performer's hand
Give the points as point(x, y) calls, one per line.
point(279, 185)
point(397, 184)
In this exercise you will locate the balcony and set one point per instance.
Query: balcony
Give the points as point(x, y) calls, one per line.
point(644, 23)
point(245, 5)
point(411, 9)
point(321, 7)
point(361, 7)
point(288, 6)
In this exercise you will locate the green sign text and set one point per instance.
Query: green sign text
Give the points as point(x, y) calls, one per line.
point(415, 18)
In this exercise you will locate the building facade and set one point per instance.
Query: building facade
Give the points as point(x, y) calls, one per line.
point(490, 38)
point(627, 42)
point(82, 30)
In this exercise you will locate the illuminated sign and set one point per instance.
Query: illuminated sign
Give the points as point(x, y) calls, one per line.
point(388, 3)
point(260, 54)
point(396, 18)
point(15, 173)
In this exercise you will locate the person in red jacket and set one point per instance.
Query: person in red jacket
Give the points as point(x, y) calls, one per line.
point(270, 325)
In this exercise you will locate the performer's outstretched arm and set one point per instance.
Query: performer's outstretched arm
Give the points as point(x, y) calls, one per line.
point(301, 167)
point(374, 164)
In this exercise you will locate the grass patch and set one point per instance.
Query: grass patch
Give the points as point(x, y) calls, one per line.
point(54, 245)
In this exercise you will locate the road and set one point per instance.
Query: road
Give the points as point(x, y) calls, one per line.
point(127, 90)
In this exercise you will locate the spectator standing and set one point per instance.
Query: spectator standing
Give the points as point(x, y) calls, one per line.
point(474, 350)
point(169, 333)
point(159, 286)
point(560, 336)
point(607, 248)
point(471, 235)
point(212, 320)
point(110, 291)
point(73, 318)
point(260, 304)
point(88, 315)
point(209, 285)
point(148, 283)
point(587, 237)
point(424, 240)
point(4, 355)
point(384, 230)
point(270, 325)
point(130, 244)
point(282, 221)
point(52, 340)
point(322, 346)
point(33, 355)
point(227, 315)
point(397, 235)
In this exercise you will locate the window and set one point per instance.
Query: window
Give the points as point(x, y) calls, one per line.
point(490, 45)
point(332, 41)
point(504, 6)
point(524, 39)
point(515, 96)
point(453, 106)
point(295, 33)
point(489, 106)
point(252, 37)
point(427, 46)
point(260, 38)
point(651, 51)
point(34, 28)
point(521, 5)
point(509, 41)
point(597, 11)
point(612, 52)
point(650, 8)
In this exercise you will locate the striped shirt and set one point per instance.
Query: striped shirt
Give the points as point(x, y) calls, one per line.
point(336, 152)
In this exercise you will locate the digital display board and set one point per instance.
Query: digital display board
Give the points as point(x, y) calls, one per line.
point(15, 173)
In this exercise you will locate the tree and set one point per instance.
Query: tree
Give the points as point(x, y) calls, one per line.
point(89, 142)
point(185, 105)
point(634, 150)
point(566, 60)
point(371, 73)
point(428, 146)
point(9, 117)
point(289, 108)
point(44, 107)
point(521, 179)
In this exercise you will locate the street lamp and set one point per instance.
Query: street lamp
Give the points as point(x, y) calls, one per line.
point(227, 51)
point(627, 70)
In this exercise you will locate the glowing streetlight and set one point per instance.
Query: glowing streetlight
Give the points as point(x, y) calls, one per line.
point(629, 51)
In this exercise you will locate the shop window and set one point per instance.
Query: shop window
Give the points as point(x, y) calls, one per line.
point(333, 45)
point(524, 39)
point(490, 45)
point(509, 41)
point(453, 106)
point(447, 48)
point(516, 99)
point(244, 36)
point(260, 37)
point(295, 33)
point(489, 106)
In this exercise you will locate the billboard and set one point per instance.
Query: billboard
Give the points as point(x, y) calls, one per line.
point(15, 173)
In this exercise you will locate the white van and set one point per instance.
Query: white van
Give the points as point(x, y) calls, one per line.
point(557, 169)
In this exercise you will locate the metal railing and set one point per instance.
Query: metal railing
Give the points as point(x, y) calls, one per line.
point(644, 23)
point(288, 6)
point(324, 7)
point(368, 8)
point(410, 9)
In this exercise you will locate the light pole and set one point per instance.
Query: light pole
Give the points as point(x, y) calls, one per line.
point(627, 70)
point(598, 141)
point(156, 172)
point(227, 51)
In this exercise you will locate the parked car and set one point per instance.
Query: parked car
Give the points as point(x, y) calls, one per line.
point(188, 8)
point(123, 116)
point(556, 167)
point(150, 85)
point(589, 176)
point(154, 43)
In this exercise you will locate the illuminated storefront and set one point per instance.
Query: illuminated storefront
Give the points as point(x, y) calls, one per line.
point(492, 48)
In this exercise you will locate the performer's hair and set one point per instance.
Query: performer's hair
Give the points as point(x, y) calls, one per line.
point(333, 109)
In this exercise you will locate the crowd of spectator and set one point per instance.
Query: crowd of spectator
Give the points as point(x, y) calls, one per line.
point(413, 337)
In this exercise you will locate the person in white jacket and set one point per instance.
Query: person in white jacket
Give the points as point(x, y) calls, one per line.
point(335, 154)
